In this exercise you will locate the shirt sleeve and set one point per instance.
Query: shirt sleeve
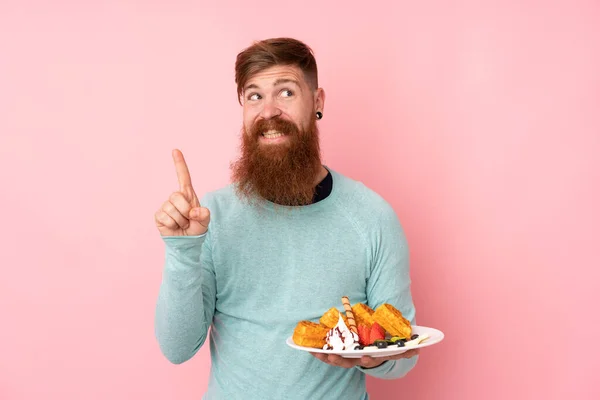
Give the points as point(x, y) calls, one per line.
point(187, 296)
point(390, 282)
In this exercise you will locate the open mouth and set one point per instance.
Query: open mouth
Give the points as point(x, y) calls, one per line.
point(272, 134)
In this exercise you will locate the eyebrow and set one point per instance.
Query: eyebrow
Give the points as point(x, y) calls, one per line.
point(277, 82)
point(284, 80)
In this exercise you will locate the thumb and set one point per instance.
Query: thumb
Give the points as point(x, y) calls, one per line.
point(200, 214)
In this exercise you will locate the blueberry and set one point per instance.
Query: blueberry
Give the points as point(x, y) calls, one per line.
point(413, 337)
point(400, 343)
point(381, 344)
point(359, 347)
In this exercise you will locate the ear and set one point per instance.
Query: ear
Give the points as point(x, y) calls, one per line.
point(319, 100)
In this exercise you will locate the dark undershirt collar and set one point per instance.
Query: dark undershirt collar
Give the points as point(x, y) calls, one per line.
point(324, 188)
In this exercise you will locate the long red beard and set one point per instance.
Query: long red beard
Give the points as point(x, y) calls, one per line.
point(282, 173)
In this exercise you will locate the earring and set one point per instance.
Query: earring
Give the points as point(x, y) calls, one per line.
point(319, 115)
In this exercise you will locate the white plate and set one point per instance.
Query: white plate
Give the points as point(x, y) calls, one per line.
point(435, 336)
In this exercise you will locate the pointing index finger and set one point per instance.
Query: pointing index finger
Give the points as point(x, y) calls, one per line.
point(183, 174)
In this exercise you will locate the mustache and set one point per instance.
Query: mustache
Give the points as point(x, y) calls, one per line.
point(276, 124)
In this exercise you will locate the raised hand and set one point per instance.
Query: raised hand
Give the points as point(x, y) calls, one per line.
point(182, 214)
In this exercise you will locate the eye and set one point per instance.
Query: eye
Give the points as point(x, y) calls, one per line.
point(254, 96)
point(287, 93)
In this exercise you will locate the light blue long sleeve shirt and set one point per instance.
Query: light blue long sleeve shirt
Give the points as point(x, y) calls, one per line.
point(259, 269)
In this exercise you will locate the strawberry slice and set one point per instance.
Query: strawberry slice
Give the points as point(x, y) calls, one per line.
point(377, 333)
point(363, 334)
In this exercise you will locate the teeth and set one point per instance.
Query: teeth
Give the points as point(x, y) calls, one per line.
point(272, 134)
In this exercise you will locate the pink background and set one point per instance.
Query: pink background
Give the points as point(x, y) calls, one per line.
point(479, 122)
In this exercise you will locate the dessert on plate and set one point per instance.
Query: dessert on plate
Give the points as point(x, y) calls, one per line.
point(340, 337)
point(310, 334)
point(330, 318)
point(392, 321)
point(361, 327)
point(363, 314)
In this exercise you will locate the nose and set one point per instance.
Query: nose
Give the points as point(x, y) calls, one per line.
point(270, 109)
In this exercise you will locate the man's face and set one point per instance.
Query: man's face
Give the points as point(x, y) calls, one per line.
point(279, 92)
point(280, 157)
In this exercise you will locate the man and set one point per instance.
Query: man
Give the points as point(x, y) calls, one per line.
point(283, 243)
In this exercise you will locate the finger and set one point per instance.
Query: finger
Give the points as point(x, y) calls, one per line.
point(195, 201)
point(335, 360)
point(370, 362)
point(339, 361)
point(183, 173)
point(178, 200)
point(163, 219)
point(200, 214)
point(320, 356)
point(411, 353)
point(169, 209)
point(406, 354)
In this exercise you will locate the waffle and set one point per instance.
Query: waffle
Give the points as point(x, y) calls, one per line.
point(392, 321)
point(331, 318)
point(363, 314)
point(310, 334)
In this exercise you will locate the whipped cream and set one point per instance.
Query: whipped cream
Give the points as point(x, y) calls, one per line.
point(340, 337)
